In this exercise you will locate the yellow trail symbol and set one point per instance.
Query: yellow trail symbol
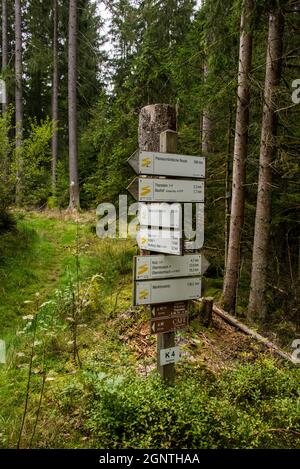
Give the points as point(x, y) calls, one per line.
point(143, 240)
point(144, 294)
point(146, 162)
point(145, 190)
point(143, 269)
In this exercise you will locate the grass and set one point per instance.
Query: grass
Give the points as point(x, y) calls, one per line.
point(114, 399)
point(38, 256)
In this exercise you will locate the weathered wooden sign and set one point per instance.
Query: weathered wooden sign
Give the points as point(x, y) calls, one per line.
point(167, 190)
point(160, 240)
point(177, 308)
point(169, 355)
point(167, 290)
point(163, 325)
point(167, 164)
point(154, 267)
point(160, 215)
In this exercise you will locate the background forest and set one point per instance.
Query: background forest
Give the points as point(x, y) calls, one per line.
point(76, 80)
point(167, 51)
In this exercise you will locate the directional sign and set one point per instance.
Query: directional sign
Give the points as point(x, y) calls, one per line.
point(153, 267)
point(164, 291)
point(2, 92)
point(164, 240)
point(160, 215)
point(167, 164)
point(167, 190)
point(170, 310)
point(163, 325)
point(169, 355)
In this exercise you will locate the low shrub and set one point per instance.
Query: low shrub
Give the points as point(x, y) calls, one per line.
point(251, 407)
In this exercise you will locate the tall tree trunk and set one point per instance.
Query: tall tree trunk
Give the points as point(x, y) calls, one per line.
point(18, 99)
point(4, 48)
point(227, 189)
point(257, 300)
point(239, 160)
point(72, 102)
point(207, 123)
point(54, 98)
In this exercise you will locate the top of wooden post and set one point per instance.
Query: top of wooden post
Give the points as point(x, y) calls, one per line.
point(155, 119)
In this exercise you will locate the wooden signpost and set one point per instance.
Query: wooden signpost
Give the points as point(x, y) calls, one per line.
point(160, 215)
point(154, 267)
point(163, 325)
point(160, 240)
point(169, 310)
point(149, 292)
point(171, 278)
point(167, 190)
point(167, 164)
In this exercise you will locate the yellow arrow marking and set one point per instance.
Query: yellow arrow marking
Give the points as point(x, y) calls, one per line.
point(144, 240)
point(144, 294)
point(145, 190)
point(146, 162)
point(143, 269)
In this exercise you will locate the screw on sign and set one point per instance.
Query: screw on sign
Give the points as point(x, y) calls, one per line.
point(169, 355)
point(163, 325)
point(160, 215)
point(149, 292)
point(157, 267)
point(164, 240)
point(167, 190)
point(167, 164)
point(178, 308)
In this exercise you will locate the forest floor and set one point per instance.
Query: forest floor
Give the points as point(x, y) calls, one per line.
point(80, 358)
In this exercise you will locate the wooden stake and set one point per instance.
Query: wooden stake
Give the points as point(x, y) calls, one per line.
point(168, 144)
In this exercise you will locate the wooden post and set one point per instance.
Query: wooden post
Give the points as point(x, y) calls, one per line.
point(168, 144)
point(157, 126)
point(206, 311)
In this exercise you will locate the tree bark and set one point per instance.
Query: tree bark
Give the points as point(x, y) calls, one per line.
point(155, 119)
point(257, 301)
point(227, 189)
point(54, 145)
point(239, 159)
point(18, 99)
point(207, 124)
point(4, 48)
point(72, 106)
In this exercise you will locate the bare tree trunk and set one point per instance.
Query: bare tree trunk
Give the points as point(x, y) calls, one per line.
point(257, 300)
point(4, 48)
point(54, 98)
point(18, 99)
point(227, 189)
point(207, 124)
point(239, 160)
point(72, 102)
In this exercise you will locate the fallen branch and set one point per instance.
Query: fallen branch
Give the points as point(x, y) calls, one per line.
point(234, 322)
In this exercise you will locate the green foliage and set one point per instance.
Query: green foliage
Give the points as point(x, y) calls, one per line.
point(255, 406)
point(6, 221)
point(36, 155)
point(106, 403)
